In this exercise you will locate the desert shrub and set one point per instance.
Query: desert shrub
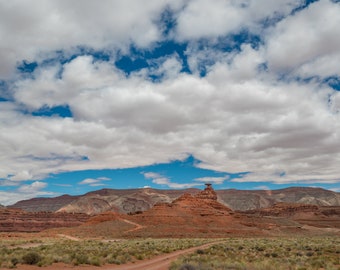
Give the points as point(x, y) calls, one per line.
point(31, 258)
point(79, 258)
point(14, 261)
point(318, 264)
point(140, 257)
point(200, 251)
point(95, 261)
point(310, 253)
point(266, 254)
point(187, 267)
point(274, 255)
point(259, 248)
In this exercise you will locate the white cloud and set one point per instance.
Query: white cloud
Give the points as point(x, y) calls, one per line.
point(214, 180)
point(212, 19)
point(23, 192)
point(237, 118)
point(335, 102)
point(32, 188)
point(168, 68)
point(233, 120)
point(282, 178)
point(309, 37)
point(31, 29)
point(94, 182)
point(262, 187)
point(165, 181)
point(203, 18)
point(9, 198)
point(8, 183)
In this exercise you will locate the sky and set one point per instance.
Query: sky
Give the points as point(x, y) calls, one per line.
point(168, 94)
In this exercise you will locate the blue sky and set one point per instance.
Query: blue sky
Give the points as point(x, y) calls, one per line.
point(168, 94)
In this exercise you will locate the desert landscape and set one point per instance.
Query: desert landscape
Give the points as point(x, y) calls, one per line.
point(170, 134)
point(155, 227)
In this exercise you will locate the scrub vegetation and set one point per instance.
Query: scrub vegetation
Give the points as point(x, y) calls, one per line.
point(265, 254)
point(298, 253)
point(90, 252)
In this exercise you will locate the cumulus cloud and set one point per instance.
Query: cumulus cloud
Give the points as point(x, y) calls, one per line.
point(23, 192)
point(241, 116)
point(32, 29)
point(214, 180)
point(306, 39)
point(262, 187)
point(336, 189)
point(165, 181)
point(230, 120)
point(32, 188)
point(212, 19)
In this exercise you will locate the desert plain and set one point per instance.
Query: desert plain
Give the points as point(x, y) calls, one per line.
point(194, 231)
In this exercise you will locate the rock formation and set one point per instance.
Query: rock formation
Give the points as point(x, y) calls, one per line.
point(122, 201)
point(285, 210)
point(255, 199)
point(134, 200)
point(207, 194)
point(196, 214)
point(17, 220)
point(44, 204)
point(188, 215)
point(304, 214)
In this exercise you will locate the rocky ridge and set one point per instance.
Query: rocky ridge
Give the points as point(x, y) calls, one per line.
point(122, 201)
point(45, 204)
point(193, 215)
point(244, 200)
point(305, 214)
point(284, 210)
point(197, 214)
point(189, 215)
point(17, 220)
point(136, 200)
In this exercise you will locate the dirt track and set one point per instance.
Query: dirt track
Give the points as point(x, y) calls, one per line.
point(137, 226)
point(161, 262)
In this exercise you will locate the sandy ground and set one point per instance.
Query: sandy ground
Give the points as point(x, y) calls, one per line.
point(161, 262)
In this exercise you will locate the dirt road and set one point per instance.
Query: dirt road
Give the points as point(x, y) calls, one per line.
point(161, 262)
point(137, 226)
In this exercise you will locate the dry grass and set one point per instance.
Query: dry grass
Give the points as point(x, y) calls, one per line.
point(235, 253)
point(266, 254)
point(91, 252)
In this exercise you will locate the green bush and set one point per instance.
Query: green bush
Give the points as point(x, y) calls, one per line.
point(187, 267)
point(14, 261)
point(200, 251)
point(31, 258)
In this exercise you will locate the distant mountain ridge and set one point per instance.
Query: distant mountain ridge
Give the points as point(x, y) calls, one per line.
point(137, 200)
point(44, 204)
point(255, 199)
point(196, 213)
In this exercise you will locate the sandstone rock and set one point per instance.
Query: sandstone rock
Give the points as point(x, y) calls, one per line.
point(17, 220)
point(135, 200)
point(207, 194)
point(285, 209)
point(44, 204)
